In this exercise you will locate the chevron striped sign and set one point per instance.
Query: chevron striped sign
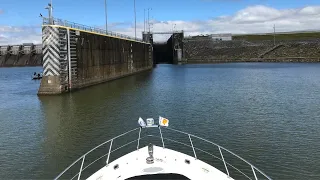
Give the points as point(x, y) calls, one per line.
point(51, 51)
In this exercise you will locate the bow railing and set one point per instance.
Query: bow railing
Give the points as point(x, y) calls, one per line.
point(255, 172)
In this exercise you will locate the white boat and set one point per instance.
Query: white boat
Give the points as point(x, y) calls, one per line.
point(158, 161)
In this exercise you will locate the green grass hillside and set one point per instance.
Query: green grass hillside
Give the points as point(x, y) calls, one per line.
point(287, 36)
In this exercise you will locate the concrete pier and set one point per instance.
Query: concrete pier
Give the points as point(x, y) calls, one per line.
point(77, 57)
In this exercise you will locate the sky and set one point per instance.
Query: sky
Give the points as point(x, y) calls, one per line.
point(20, 21)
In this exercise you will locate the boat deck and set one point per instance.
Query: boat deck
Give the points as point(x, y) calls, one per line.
point(166, 161)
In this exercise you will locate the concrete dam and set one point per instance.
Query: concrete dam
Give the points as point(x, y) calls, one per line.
point(26, 54)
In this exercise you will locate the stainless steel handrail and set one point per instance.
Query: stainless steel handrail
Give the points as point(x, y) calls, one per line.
point(168, 139)
point(60, 22)
point(108, 154)
point(223, 149)
point(93, 150)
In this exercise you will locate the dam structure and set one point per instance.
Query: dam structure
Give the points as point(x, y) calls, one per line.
point(27, 54)
point(77, 56)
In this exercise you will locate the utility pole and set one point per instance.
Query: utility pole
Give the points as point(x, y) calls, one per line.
point(274, 34)
point(105, 9)
point(135, 20)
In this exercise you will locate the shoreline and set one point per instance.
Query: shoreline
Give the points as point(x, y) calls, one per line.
point(215, 61)
point(257, 60)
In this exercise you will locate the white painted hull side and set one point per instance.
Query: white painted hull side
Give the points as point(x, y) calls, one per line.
point(165, 161)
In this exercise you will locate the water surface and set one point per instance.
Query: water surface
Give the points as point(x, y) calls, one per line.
point(267, 113)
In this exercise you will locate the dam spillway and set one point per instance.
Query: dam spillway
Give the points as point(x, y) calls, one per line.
point(27, 54)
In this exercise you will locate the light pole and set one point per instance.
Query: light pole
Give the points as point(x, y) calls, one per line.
point(49, 7)
point(149, 19)
point(105, 9)
point(144, 20)
point(135, 20)
point(274, 34)
point(173, 27)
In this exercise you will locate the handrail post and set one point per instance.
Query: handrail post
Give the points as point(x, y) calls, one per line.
point(224, 162)
point(109, 151)
point(81, 167)
point(161, 137)
point(194, 152)
point(139, 139)
point(254, 173)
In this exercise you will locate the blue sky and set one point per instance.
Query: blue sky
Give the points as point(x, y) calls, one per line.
point(91, 12)
point(20, 21)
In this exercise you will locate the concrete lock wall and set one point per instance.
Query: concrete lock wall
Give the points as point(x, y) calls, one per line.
point(170, 52)
point(75, 58)
point(177, 46)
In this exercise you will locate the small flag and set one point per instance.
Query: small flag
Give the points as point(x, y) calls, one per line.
point(163, 121)
point(141, 122)
point(150, 122)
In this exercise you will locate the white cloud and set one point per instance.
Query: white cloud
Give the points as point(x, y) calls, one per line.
point(310, 10)
point(256, 14)
point(10, 29)
point(20, 34)
point(253, 19)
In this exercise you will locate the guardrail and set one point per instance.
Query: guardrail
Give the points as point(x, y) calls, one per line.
point(221, 149)
point(61, 22)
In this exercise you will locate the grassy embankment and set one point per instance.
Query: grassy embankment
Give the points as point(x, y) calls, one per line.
point(284, 36)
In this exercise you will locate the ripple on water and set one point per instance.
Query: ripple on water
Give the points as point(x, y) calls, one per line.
point(267, 113)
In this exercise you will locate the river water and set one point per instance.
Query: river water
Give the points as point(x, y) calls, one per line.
point(267, 113)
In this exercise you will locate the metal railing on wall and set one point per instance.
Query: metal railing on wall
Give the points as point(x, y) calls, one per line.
point(61, 22)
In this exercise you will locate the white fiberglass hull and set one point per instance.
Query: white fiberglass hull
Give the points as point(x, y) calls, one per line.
point(165, 161)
